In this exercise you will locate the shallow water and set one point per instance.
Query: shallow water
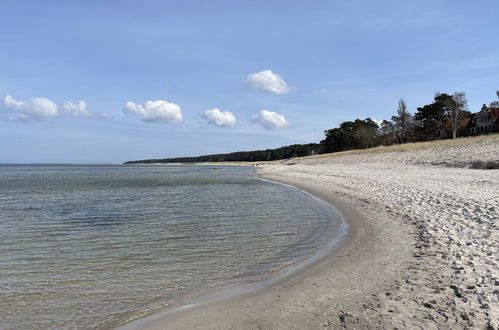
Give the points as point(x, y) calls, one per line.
point(96, 246)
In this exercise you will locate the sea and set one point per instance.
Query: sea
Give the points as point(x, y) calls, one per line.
point(98, 246)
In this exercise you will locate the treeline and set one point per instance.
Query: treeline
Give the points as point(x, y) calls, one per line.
point(295, 150)
point(444, 118)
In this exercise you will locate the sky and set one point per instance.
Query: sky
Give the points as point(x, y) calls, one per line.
point(111, 81)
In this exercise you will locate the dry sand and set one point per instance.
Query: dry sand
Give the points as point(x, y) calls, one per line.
point(422, 249)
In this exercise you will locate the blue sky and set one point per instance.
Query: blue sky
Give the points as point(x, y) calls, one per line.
point(214, 66)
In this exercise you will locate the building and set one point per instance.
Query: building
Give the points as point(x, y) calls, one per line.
point(484, 122)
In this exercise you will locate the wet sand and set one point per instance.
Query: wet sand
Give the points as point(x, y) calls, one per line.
point(338, 283)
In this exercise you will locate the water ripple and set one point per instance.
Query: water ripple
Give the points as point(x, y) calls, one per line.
point(94, 246)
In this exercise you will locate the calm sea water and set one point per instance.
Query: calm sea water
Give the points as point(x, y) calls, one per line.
point(97, 246)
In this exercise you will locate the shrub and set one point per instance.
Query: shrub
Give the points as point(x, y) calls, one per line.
point(491, 165)
point(488, 165)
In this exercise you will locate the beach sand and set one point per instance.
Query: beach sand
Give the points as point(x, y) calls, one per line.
point(422, 249)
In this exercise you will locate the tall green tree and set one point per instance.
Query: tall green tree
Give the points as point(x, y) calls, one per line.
point(387, 133)
point(431, 118)
point(366, 133)
point(350, 135)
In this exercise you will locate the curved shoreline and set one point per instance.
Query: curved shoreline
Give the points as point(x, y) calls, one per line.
point(344, 279)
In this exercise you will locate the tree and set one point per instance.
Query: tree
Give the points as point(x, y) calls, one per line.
point(338, 139)
point(455, 111)
point(350, 135)
point(403, 122)
point(387, 134)
point(495, 104)
point(366, 132)
point(431, 118)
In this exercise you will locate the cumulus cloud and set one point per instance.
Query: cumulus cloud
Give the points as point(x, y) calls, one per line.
point(268, 81)
point(35, 108)
point(76, 109)
point(155, 111)
point(41, 108)
point(220, 118)
point(270, 120)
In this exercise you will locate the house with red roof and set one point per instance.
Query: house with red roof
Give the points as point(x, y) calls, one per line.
point(484, 122)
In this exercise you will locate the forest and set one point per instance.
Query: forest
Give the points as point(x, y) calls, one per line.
point(296, 150)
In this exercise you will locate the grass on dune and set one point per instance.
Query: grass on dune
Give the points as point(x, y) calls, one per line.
point(416, 146)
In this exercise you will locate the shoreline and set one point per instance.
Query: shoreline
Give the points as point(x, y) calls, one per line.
point(421, 251)
point(359, 254)
point(450, 278)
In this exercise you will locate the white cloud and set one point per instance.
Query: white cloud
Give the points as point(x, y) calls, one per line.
point(76, 109)
point(220, 118)
point(268, 81)
point(80, 110)
point(270, 120)
point(36, 108)
point(154, 111)
point(377, 121)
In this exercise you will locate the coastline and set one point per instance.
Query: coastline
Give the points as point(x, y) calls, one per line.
point(329, 293)
point(421, 251)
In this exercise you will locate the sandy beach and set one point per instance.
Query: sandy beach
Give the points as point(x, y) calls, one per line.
point(421, 252)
